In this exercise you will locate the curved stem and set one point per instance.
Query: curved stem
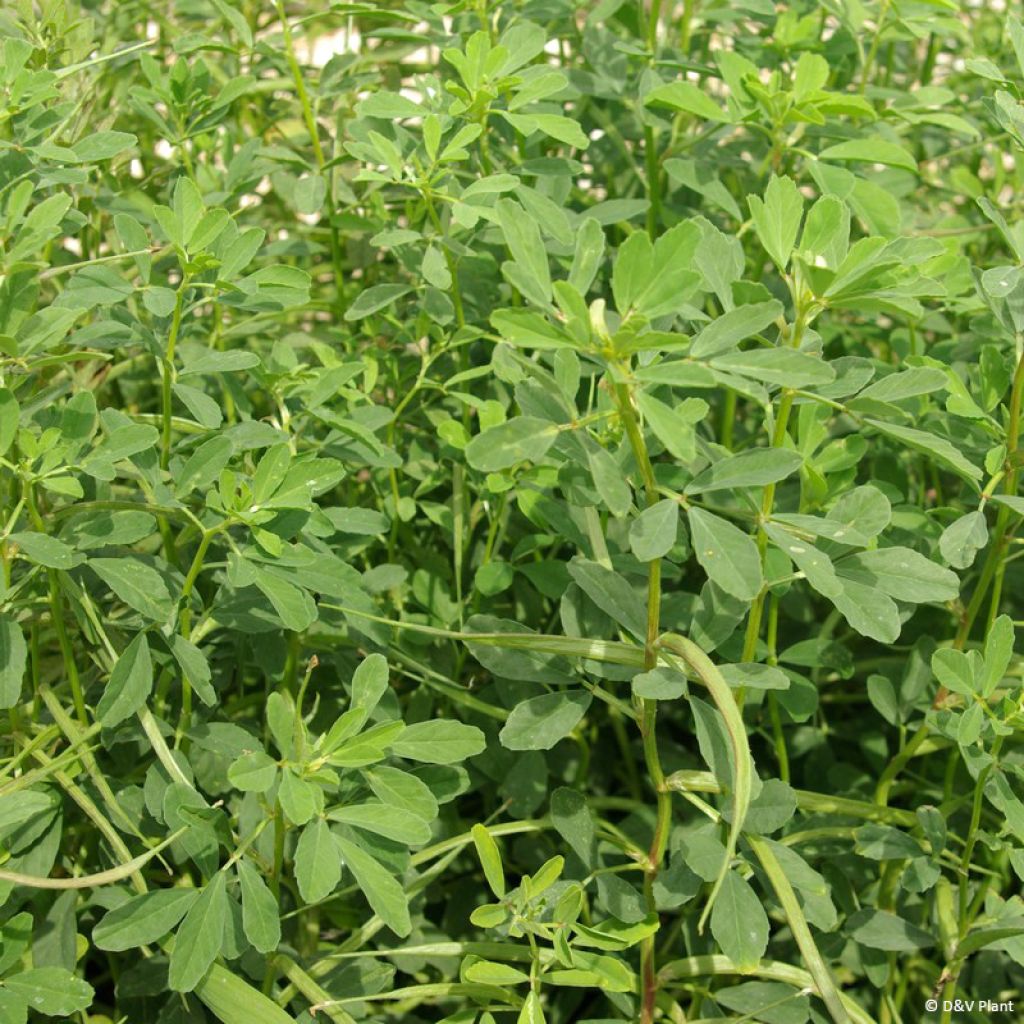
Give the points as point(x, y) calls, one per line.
point(707, 672)
point(716, 965)
point(898, 763)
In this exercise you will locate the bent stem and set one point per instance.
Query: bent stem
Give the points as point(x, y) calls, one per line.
point(717, 965)
point(109, 877)
point(743, 766)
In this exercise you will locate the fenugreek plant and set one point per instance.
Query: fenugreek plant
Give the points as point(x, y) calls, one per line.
point(510, 511)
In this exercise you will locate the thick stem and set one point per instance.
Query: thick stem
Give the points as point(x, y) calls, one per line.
point(686, 25)
point(652, 24)
point(928, 64)
point(787, 897)
point(716, 965)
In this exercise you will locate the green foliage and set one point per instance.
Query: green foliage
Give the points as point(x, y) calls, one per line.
point(510, 511)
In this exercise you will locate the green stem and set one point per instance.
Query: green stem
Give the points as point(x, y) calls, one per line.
point(57, 616)
point(898, 763)
point(653, 179)
point(993, 569)
point(280, 828)
point(806, 800)
point(883, 11)
point(686, 25)
point(168, 373)
point(972, 837)
point(300, 85)
point(768, 500)
point(449, 259)
point(299, 727)
point(314, 136)
point(653, 167)
point(716, 965)
point(67, 268)
point(535, 966)
point(1010, 483)
point(66, 650)
point(948, 995)
point(649, 712)
point(767, 505)
point(993, 563)
point(778, 737)
point(185, 626)
point(652, 23)
point(822, 976)
point(928, 64)
point(77, 739)
point(185, 616)
point(728, 419)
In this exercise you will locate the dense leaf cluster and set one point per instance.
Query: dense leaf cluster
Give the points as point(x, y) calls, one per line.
point(509, 511)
